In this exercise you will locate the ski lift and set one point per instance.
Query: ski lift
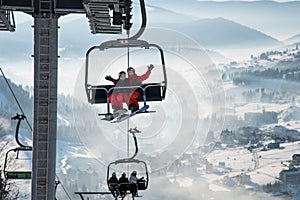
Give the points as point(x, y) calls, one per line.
point(99, 94)
point(14, 174)
point(142, 184)
point(22, 148)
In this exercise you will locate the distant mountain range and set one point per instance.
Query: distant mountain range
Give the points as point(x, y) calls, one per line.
point(278, 19)
point(293, 40)
point(219, 32)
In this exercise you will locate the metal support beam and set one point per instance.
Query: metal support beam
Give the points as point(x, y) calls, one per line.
point(7, 21)
point(45, 106)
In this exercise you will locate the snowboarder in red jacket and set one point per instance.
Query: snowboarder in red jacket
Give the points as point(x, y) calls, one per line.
point(135, 80)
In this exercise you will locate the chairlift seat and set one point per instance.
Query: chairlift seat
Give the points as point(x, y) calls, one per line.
point(142, 185)
point(153, 92)
point(18, 175)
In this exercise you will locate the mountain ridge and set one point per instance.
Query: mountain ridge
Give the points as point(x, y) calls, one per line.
point(222, 32)
point(293, 40)
point(265, 16)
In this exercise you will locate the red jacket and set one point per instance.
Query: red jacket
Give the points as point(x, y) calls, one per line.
point(135, 80)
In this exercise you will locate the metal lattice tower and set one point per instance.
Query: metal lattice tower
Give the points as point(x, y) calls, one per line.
point(45, 102)
point(46, 14)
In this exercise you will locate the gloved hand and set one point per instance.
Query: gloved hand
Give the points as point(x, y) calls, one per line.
point(150, 67)
point(108, 77)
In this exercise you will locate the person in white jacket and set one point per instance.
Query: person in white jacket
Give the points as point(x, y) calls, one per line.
point(133, 180)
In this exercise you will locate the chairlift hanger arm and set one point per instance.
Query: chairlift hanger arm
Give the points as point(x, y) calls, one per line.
point(144, 22)
point(136, 147)
point(20, 118)
point(130, 159)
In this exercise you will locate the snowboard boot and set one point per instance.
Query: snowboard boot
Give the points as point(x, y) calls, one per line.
point(133, 107)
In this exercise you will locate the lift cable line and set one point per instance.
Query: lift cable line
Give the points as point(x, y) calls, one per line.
point(128, 122)
point(19, 105)
point(64, 189)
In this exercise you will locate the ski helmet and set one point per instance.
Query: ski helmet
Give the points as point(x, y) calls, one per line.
point(131, 69)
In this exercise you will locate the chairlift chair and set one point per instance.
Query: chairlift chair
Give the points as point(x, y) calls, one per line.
point(15, 174)
point(141, 184)
point(99, 94)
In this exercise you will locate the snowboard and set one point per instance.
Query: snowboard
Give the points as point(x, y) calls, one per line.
point(119, 113)
point(127, 116)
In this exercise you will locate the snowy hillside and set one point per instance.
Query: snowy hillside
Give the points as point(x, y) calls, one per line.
point(265, 83)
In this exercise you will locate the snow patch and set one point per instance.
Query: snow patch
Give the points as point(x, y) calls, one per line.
point(64, 165)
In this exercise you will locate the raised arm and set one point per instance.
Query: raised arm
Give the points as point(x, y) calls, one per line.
point(146, 75)
point(109, 78)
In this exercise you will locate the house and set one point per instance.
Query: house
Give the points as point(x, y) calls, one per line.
point(291, 180)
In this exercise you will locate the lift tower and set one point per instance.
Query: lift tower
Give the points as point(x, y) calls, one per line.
point(45, 100)
point(46, 14)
